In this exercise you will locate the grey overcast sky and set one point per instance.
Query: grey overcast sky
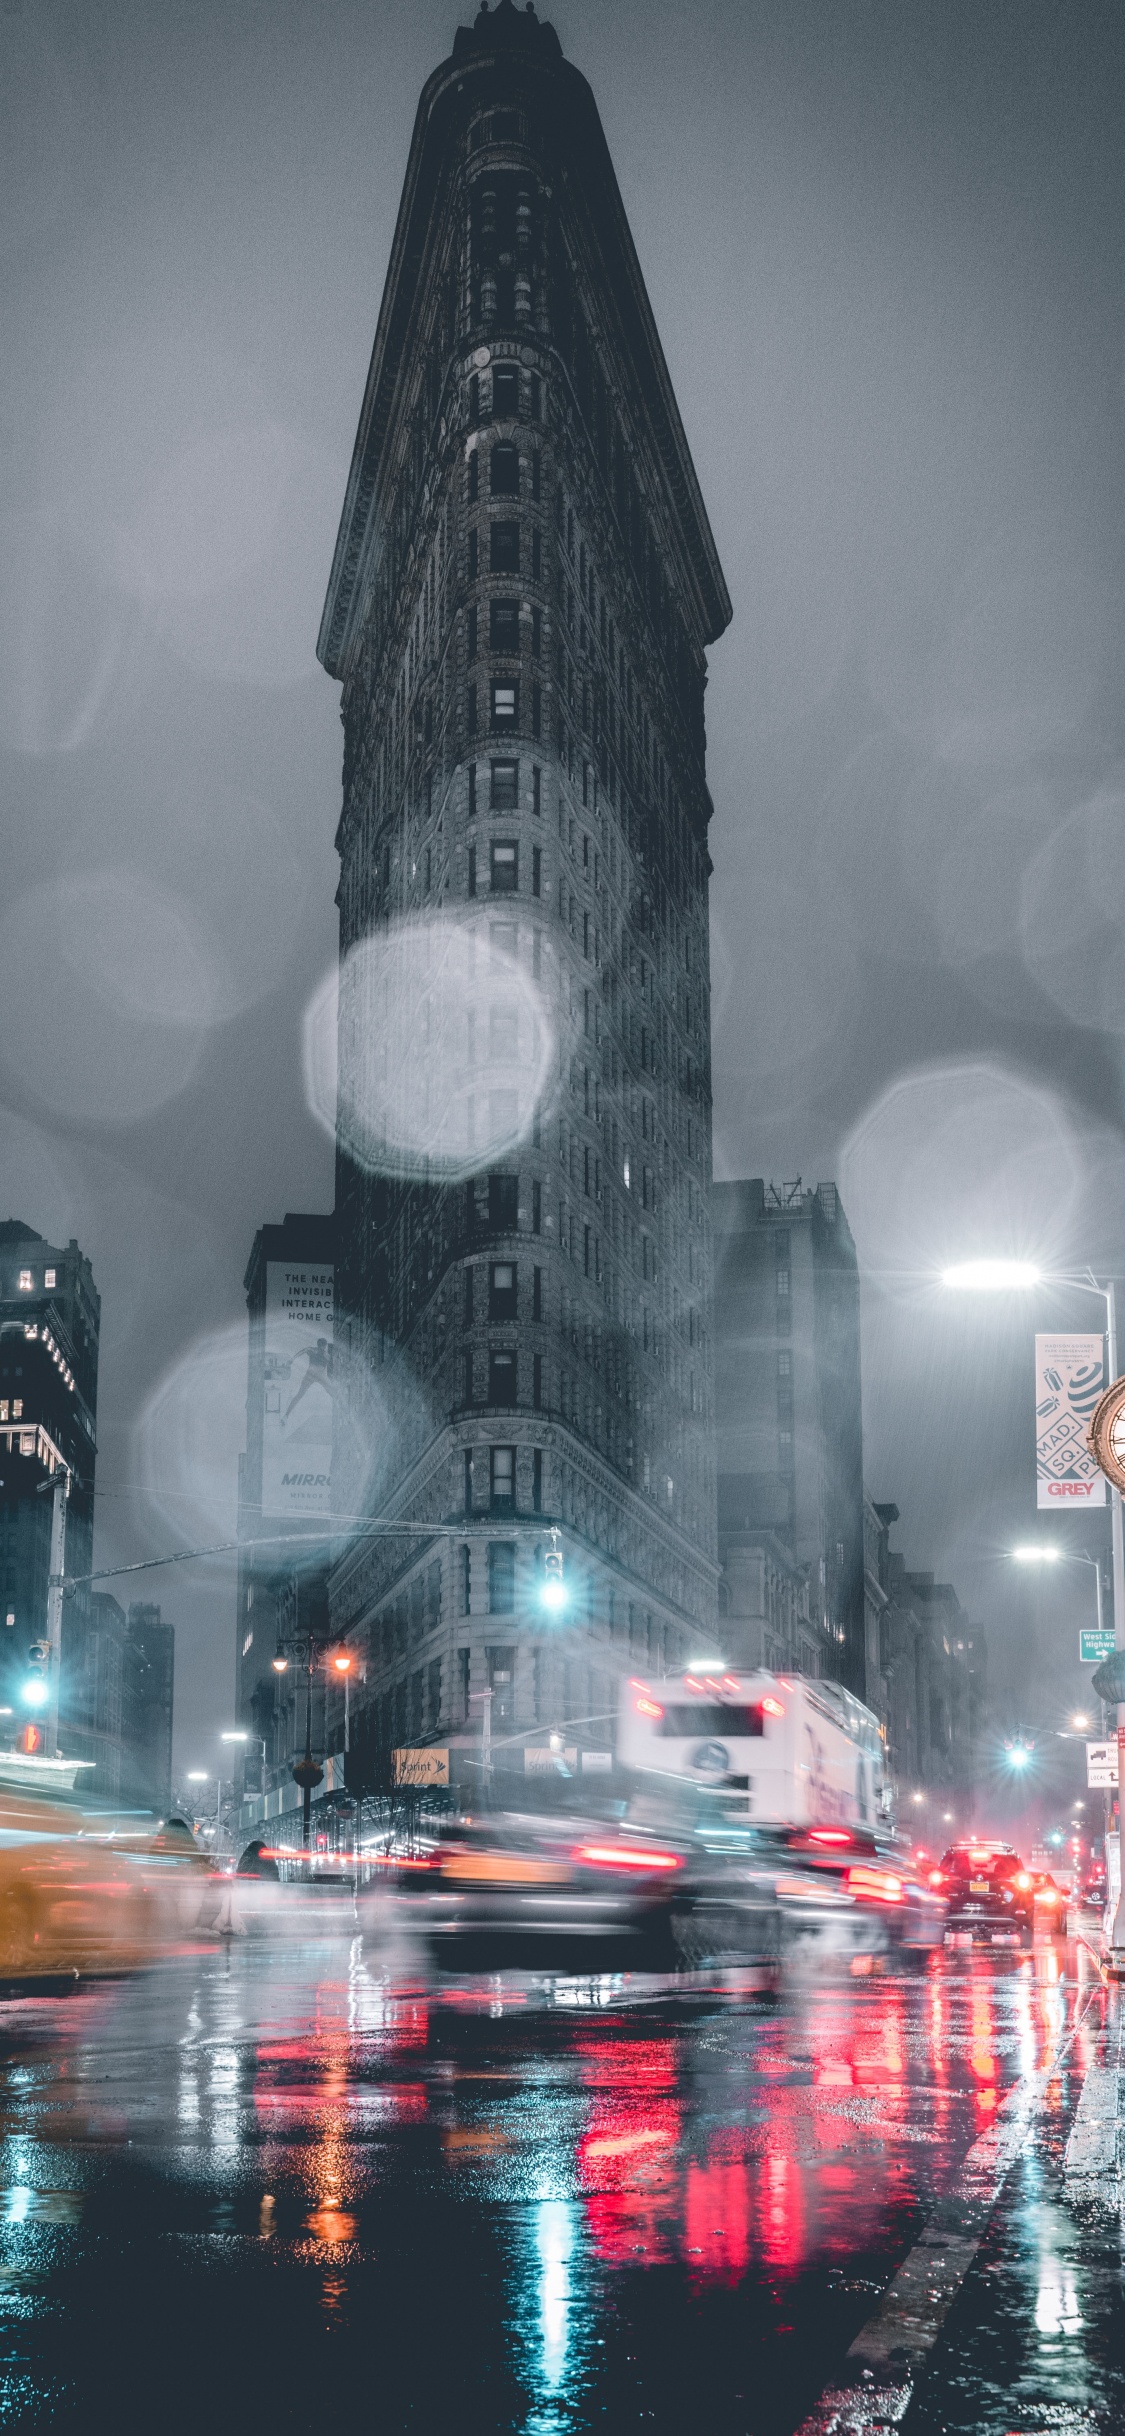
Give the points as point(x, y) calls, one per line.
point(884, 246)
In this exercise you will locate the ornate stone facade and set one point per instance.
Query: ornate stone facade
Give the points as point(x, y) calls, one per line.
point(523, 590)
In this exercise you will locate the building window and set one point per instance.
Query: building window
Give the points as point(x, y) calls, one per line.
point(473, 555)
point(502, 1576)
point(537, 1388)
point(471, 711)
point(474, 475)
point(536, 708)
point(472, 790)
point(505, 703)
point(536, 474)
point(536, 555)
point(26, 1281)
point(537, 1210)
point(536, 401)
point(505, 393)
point(468, 1506)
point(504, 786)
point(784, 1365)
point(503, 1202)
point(473, 633)
point(504, 470)
point(501, 1379)
point(503, 867)
point(502, 1290)
point(474, 400)
point(536, 870)
point(468, 1380)
point(472, 871)
point(502, 1475)
point(504, 625)
point(468, 1313)
point(504, 547)
point(49, 1279)
point(783, 1281)
point(537, 790)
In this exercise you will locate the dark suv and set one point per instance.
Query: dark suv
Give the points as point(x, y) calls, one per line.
point(988, 1890)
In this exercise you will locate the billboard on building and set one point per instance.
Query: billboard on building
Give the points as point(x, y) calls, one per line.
point(298, 1389)
point(1069, 1376)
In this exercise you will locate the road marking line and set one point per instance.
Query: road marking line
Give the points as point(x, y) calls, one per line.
point(1092, 2146)
point(901, 2332)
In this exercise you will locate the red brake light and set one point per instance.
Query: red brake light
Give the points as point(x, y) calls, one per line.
point(648, 1708)
point(624, 1856)
point(879, 1885)
point(772, 1707)
point(829, 1835)
point(1022, 1881)
point(1046, 1894)
point(937, 1877)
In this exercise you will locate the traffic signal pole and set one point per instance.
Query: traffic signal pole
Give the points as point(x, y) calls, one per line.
point(59, 1495)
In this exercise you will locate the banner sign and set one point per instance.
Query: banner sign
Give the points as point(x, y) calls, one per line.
point(1094, 1647)
point(1101, 1764)
point(1069, 1376)
point(425, 1766)
point(297, 1420)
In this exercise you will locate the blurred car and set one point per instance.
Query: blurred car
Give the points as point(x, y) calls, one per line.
point(1049, 1902)
point(547, 1891)
point(1090, 1884)
point(76, 1901)
point(850, 1890)
point(989, 1892)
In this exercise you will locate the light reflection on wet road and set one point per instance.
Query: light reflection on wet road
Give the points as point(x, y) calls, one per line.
point(263, 2185)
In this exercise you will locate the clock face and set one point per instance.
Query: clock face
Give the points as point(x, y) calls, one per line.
point(1107, 1435)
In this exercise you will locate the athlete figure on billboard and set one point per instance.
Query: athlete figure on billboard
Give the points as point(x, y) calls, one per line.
point(318, 1370)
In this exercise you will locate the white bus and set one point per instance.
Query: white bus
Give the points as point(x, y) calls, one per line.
point(778, 1748)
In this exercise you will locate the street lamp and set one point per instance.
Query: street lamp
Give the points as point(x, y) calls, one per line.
point(985, 1276)
point(1038, 1552)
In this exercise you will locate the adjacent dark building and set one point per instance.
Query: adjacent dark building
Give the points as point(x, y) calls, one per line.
point(50, 1316)
point(931, 1683)
point(524, 587)
point(790, 1428)
point(284, 1479)
point(147, 1695)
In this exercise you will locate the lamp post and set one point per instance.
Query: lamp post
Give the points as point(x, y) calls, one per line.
point(992, 1276)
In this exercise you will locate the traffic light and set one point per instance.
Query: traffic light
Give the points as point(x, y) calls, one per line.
point(30, 1738)
point(552, 1593)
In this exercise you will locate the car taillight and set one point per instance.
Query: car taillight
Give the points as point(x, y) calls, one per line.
point(1022, 1880)
point(1047, 1894)
point(829, 1835)
point(938, 1877)
point(873, 1885)
point(625, 1856)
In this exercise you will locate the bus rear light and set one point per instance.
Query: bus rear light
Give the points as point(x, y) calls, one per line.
point(772, 1707)
point(648, 1708)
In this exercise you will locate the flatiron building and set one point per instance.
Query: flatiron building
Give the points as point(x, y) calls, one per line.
point(524, 587)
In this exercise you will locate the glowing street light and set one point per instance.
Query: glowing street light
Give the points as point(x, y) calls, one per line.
point(280, 1665)
point(992, 1276)
point(1035, 1555)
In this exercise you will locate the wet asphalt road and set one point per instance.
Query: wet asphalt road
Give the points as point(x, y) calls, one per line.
point(272, 2184)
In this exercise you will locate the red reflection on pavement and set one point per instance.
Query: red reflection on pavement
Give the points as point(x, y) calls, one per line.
point(716, 2224)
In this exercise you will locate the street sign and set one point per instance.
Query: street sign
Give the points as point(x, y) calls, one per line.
point(1094, 1645)
point(1101, 1763)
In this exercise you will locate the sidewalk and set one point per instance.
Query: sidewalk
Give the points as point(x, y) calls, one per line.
point(1008, 2316)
